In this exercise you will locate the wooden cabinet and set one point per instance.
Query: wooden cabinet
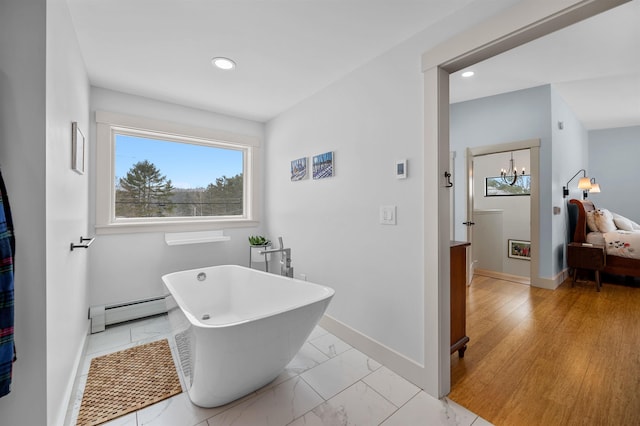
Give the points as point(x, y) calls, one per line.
point(459, 339)
point(586, 256)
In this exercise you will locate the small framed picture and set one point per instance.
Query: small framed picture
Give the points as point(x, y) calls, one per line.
point(519, 249)
point(323, 165)
point(298, 169)
point(77, 149)
point(401, 169)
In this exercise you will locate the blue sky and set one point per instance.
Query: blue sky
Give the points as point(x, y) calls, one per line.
point(187, 165)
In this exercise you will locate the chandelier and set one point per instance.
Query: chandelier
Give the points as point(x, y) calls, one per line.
point(510, 175)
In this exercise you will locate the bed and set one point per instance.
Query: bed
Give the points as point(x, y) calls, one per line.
point(622, 243)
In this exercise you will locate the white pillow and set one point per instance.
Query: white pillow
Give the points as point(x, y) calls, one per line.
point(623, 223)
point(591, 221)
point(604, 221)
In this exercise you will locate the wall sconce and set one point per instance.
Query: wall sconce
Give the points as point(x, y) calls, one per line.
point(584, 183)
point(594, 186)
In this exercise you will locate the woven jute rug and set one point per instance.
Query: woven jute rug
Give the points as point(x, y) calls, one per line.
point(126, 381)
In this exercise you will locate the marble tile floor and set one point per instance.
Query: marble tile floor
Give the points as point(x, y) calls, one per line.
point(327, 383)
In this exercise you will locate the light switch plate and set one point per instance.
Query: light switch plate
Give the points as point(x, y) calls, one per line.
point(388, 215)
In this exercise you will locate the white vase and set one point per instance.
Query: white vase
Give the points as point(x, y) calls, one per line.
point(256, 257)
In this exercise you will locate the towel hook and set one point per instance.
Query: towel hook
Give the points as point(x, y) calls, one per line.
point(82, 240)
point(447, 176)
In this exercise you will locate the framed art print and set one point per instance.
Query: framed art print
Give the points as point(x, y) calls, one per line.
point(77, 149)
point(298, 169)
point(323, 165)
point(519, 249)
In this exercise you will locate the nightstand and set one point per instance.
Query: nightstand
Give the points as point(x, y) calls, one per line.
point(586, 256)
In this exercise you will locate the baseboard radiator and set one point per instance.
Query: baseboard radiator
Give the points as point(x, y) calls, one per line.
point(104, 315)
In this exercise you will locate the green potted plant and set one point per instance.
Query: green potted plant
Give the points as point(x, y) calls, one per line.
point(258, 243)
point(258, 240)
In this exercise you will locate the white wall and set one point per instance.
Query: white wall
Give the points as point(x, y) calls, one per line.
point(67, 199)
point(516, 223)
point(125, 267)
point(370, 118)
point(332, 225)
point(22, 159)
point(613, 162)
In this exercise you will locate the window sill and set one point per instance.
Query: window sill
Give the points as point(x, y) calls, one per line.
point(173, 226)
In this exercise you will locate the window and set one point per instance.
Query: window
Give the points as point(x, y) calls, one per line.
point(157, 176)
point(497, 187)
point(162, 178)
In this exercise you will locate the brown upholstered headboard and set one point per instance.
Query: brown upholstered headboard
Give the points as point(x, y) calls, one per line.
point(582, 207)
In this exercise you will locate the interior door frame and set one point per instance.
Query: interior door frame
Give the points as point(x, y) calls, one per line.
point(533, 145)
point(523, 22)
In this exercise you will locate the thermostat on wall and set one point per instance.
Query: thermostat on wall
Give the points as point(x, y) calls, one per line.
point(401, 169)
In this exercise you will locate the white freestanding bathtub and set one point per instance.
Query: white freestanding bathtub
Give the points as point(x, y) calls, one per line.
point(237, 328)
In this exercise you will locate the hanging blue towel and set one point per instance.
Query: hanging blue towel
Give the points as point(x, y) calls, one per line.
point(7, 249)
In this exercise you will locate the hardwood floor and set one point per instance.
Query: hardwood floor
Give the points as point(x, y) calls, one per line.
point(569, 356)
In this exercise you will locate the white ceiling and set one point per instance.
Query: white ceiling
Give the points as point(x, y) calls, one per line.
point(287, 50)
point(594, 65)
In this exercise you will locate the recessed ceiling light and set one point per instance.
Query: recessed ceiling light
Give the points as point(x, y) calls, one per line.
point(468, 74)
point(223, 63)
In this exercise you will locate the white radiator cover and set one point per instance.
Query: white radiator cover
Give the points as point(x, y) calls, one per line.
point(103, 315)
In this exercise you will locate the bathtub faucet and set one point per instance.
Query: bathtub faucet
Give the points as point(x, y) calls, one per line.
point(286, 269)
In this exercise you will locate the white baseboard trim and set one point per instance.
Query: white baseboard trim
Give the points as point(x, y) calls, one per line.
point(502, 276)
point(396, 362)
point(64, 414)
point(551, 283)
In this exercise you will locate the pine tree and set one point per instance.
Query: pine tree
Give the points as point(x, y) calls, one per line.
point(225, 196)
point(144, 192)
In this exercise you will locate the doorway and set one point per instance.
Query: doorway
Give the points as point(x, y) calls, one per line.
point(499, 215)
point(515, 26)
